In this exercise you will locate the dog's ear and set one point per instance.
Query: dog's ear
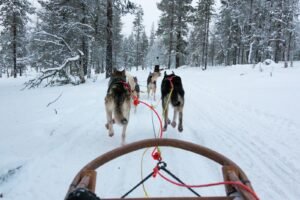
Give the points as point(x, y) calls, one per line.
point(165, 74)
point(173, 73)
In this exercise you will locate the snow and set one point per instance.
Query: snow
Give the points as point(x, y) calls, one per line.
point(240, 111)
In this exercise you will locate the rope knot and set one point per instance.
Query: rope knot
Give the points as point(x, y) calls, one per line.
point(155, 171)
point(135, 101)
point(157, 156)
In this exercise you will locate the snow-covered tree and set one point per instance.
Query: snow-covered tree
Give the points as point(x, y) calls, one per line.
point(13, 19)
point(200, 35)
point(144, 49)
point(152, 35)
point(173, 27)
point(250, 31)
point(138, 29)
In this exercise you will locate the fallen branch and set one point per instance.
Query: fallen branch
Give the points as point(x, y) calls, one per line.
point(56, 72)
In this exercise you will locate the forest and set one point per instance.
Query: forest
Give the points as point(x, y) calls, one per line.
point(68, 39)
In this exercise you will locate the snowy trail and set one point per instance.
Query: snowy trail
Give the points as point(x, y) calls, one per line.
point(230, 128)
point(53, 143)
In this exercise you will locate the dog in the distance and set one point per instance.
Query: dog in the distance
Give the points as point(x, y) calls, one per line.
point(118, 102)
point(172, 92)
point(151, 82)
point(137, 89)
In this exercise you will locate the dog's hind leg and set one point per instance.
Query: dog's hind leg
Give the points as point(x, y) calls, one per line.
point(180, 128)
point(174, 118)
point(110, 121)
point(165, 106)
point(126, 111)
point(148, 91)
point(124, 134)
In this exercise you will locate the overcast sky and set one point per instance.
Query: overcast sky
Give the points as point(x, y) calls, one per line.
point(151, 15)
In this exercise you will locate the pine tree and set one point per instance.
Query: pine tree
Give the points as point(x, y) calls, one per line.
point(201, 22)
point(152, 35)
point(14, 17)
point(173, 27)
point(124, 6)
point(166, 25)
point(128, 52)
point(252, 31)
point(144, 49)
point(138, 28)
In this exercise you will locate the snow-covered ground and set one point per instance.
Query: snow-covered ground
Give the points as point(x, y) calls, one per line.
point(249, 116)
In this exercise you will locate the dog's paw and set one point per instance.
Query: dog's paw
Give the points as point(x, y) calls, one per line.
point(173, 124)
point(169, 121)
point(164, 128)
point(180, 128)
point(111, 134)
point(124, 121)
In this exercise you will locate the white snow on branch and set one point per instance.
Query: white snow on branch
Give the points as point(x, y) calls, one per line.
point(62, 65)
point(48, 41)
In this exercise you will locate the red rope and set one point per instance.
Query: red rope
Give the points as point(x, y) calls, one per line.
point(156, 113)
point(156, 155)
point(244, 187)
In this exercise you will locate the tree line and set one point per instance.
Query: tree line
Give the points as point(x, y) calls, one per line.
point(70, 38)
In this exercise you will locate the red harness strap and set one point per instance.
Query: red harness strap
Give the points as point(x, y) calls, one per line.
point(126, 86)
point(171, 79)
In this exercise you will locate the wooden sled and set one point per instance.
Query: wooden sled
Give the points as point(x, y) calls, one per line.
point(86, 177)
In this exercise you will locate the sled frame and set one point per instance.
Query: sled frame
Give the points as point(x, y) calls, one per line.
point(86, 177)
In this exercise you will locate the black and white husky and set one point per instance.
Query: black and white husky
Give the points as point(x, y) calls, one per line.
point(118, 102)
point(172, 92)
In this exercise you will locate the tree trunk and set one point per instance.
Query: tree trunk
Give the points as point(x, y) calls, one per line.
point(206, 38)
point(203, 45)
point(177, 59)
point(285, 56)
point(137, 52)
point(178, 45)
point(109, 54)
point(292, 49)
point(20, 70)
point(14, 30)
point(84, 43)
point(171, 35)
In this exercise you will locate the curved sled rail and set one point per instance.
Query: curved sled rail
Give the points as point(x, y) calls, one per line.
point(86, 177)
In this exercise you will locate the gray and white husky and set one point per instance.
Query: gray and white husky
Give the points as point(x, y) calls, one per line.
point(118, 102)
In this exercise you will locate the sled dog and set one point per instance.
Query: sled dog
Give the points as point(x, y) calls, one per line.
point(172, 92)
point(136, 91)
point(151, 83)
point(118, 102)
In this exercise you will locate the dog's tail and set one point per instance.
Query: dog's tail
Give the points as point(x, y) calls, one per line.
point(120, 107)
point(177, 97)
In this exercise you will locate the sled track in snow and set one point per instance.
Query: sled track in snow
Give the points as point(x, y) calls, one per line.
point(231, 128)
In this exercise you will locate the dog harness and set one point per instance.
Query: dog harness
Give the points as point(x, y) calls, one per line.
point(114, 81)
